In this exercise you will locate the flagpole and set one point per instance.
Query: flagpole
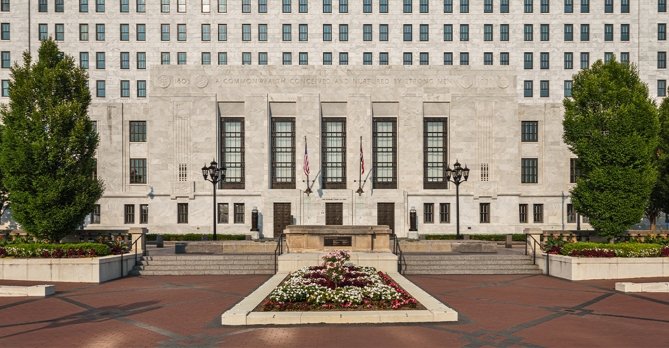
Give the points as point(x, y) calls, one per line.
point(308, 190)
point(360, 191)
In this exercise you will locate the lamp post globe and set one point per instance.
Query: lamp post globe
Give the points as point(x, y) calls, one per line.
point(457, 176)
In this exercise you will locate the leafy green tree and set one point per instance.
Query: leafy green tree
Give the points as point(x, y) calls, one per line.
point(659, 197)
point(4, 194)
point(612, 125)
point(48, 145)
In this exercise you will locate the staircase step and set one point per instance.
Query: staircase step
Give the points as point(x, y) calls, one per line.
point(470, 266)
point(207, 267)
point(476, 271)
point(202, 262)
point(199, 272)
point(463, 262)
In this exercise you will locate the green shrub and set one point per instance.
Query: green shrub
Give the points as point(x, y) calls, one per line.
point(488, 237)
point(195, 237)
point(36, 250)
point(620, 249)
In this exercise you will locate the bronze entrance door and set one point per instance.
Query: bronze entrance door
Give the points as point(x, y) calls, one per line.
point(282, 218)
point(385, 215)
point(333, 213)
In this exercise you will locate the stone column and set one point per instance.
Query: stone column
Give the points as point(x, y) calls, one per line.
point(139, 235)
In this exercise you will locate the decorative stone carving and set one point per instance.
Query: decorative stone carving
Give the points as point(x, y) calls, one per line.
point(466, 81)
point(503, 82)
point(164, 81)
point(201, 81)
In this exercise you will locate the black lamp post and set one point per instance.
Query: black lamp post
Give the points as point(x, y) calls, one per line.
point(459, 175)
point(216, 175)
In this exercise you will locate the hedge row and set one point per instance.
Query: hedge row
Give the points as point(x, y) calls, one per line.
point(620, 249)
point(37, 250)
point(488, 237)
point(195, 237)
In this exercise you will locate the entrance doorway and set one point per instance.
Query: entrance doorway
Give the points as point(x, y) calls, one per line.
point(282, 218)
point(385, 215)
point(333, 213)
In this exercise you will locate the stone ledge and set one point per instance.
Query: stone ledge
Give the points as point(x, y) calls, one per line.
point(19, 291)
point(586, 268)
point(242, 313)
point(642, 287)
point(447, 246)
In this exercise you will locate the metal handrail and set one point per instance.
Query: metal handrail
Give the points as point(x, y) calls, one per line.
point(397, 250)
point(132, 246)
point(534, 250)
point(278, 251)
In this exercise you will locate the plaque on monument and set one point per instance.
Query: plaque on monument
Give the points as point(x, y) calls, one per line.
point(337, 241)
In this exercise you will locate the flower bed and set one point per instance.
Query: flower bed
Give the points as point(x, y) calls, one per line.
point(584, 249)
point(338, 285)
point(74, 250)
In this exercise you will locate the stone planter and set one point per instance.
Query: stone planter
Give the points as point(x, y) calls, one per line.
point(585, 268)
point(81, 270)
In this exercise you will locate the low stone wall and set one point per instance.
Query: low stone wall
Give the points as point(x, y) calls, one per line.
point(585, 268)
point(229, 247)
point(447, 246)
point(80, 270)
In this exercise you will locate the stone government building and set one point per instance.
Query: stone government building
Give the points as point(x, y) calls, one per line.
point(177, 83)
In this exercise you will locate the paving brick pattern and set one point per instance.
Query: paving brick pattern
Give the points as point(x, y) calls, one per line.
point(184, 311)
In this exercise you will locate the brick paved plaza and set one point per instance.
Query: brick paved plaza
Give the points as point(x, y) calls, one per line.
point(184, 311)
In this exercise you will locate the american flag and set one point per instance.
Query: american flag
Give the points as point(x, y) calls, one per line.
point(362, 160)
point(306, 160)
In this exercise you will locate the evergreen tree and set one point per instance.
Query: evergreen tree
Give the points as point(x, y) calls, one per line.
point(612, 125)
point(48, 144)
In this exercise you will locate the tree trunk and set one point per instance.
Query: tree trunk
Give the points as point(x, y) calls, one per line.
point(653, 225)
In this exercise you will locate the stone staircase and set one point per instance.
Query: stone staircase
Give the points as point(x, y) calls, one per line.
point(419, 263)
point(186, 264)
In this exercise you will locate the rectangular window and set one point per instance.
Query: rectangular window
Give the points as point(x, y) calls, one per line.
point(304, 58)
point(545, 60)
point(125, 32)
point(444, 213)
point(538, 213)
point(383, 6)
point(545, 6)
point(137, 131)
point(383, 32)
point(504, 6)
point(83, 60)
point(504, 32)
point(246, 6)
point(304, 32)
point(182, 213)
point(568, 32)
point(327, 58)
point(448, 32)
point(529, 131)
point(487, 32)
point(283, 152)
point(206, 58)
point(528, 171)
point(484, 213)
point(608, 32)
point(407, 32)
point(262, 58)
point(125, 89)
point(544, 89)
point(464, 58)
point(448, 58)
point(262, 6)
point(334, 152)
point(662, 31)
point(661, 60)
point(464, 6)
point(383, 58)
point(367, 6)
point(327, 32)
point(42, 5)
point(585, 60)
point(567, 88)
point(343, 32)
point(165, 6)
point(529, 6)
point(83, 5)
point(327, 6)
point(529, 60)
point(528, 89)
point(424, 32)
point(661, 88)
point(164, 58)
point(83, 32)
point(206, 6)
point(181, 58)
point(522, 213)
point(585, 6)
point(585, 32)
point(545, 29)
point(624, 32)
point(528, 29)
point(367, 58)
point(343, 58)
point(205, 32)
point(125, 60)
point(100, 60)
point(232, 152)
point(367, 32)
point(60, 32)
point(303, 6)
point(504, 58)
point(181, 6)
point(262, 32)
point(5, 88)
point(125, 6)
point(464, 32)
point(384, 153)
point(222, 32)
point(487, 6)
point(608, 6)
point(407, 6)
point(141, 8)
point(138, 171)
point(100, 6)
point(141, 32)
point(286, 6)
point(574, 170)
point(95, 214)
point(239, 213)
point(608, 56)
point(286, 32)
point(246, 32)
point(343, 6)
point(222, 58)
point(129, 213)
point(165, 32)
point(181, 32)
point(100, 32)
point(143, 213)
point(141, 89)
point(448, 6)
point(222, 213)
point(625, 6)
point(661, 5)
point(435, 153)
point(223, 6)
point(428, 213)
point(571, 213)
point(568, 60)
point(424, 6)
point(424, 58)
